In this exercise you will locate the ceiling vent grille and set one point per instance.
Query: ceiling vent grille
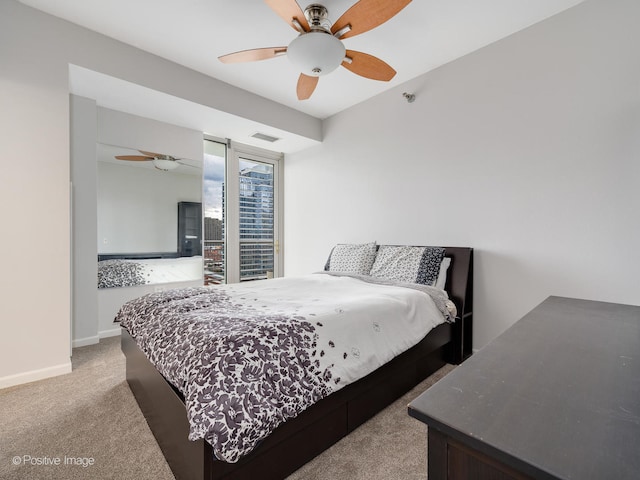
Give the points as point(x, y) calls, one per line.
point(265, 137)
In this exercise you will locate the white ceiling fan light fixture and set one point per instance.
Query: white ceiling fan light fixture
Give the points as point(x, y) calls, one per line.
point(165, 164)
point(316, 53)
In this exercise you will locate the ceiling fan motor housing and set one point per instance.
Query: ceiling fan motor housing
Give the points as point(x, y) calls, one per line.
point(318, 17)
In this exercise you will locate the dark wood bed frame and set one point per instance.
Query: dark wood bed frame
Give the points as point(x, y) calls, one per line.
point(297, 441)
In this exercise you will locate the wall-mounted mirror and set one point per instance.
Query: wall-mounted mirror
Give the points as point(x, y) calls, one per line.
point(149, 217)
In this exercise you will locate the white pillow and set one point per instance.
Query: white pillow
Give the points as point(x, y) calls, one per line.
point(355, 259)
point(442, 275)
point(408, 264)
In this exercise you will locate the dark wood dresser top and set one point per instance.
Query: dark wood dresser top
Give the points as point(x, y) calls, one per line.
point(556, 396)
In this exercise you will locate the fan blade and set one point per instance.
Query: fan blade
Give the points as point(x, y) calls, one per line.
point(289, 10)
point(151, 154)
point(187, 165)
point(368, 66)
point(306, 86)
point(367, 14)
point(134, 158)
point(253, 55)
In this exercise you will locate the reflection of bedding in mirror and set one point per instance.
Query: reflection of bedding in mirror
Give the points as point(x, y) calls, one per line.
point(129, 272)
point(139, 223)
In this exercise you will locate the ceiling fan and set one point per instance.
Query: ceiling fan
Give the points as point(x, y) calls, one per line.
point(160, 161)
point(318, 49)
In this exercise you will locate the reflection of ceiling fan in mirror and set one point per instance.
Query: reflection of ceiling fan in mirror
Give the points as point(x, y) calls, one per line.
point(160, 161)
point(318, 48)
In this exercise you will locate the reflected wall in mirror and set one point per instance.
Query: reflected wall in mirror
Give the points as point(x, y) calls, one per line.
point(149, 217)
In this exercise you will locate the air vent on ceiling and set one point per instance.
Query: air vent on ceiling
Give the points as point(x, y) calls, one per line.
point(265, 137)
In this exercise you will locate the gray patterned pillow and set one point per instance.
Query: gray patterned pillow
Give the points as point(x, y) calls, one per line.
point(356, 259)
point(408, 264)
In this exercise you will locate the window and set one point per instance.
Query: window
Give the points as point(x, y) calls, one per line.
point(215, 161)
point(242, 224)
point(256, 219)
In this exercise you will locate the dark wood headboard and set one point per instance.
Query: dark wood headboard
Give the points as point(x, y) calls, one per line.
point(460, 288)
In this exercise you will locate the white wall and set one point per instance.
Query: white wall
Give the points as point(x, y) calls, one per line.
point(35, 52)
point(138, 208)
point(84, 206)
point(527, 150)
point(34, 198)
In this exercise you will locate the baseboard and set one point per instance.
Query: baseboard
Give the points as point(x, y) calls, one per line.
point(35, 375)
point(83, 342)
point(115, 332)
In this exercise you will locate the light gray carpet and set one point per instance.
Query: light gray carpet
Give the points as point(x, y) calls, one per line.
point(91, 415)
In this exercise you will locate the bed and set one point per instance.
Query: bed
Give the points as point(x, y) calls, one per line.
point(145, 269)
point(305, 434)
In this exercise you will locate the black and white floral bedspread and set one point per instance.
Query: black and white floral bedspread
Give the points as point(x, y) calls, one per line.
point(249, 356)
point(120, 273)
point(144, 271)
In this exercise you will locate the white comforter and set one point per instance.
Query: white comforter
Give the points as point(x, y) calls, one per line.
point(370, 323)
point(168, 270)
point(249, 356)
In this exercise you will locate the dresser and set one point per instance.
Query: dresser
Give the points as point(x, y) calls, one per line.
point(556, 396)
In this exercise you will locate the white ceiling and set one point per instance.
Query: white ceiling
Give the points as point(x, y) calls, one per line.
point(127, 97)
point(193, 33)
